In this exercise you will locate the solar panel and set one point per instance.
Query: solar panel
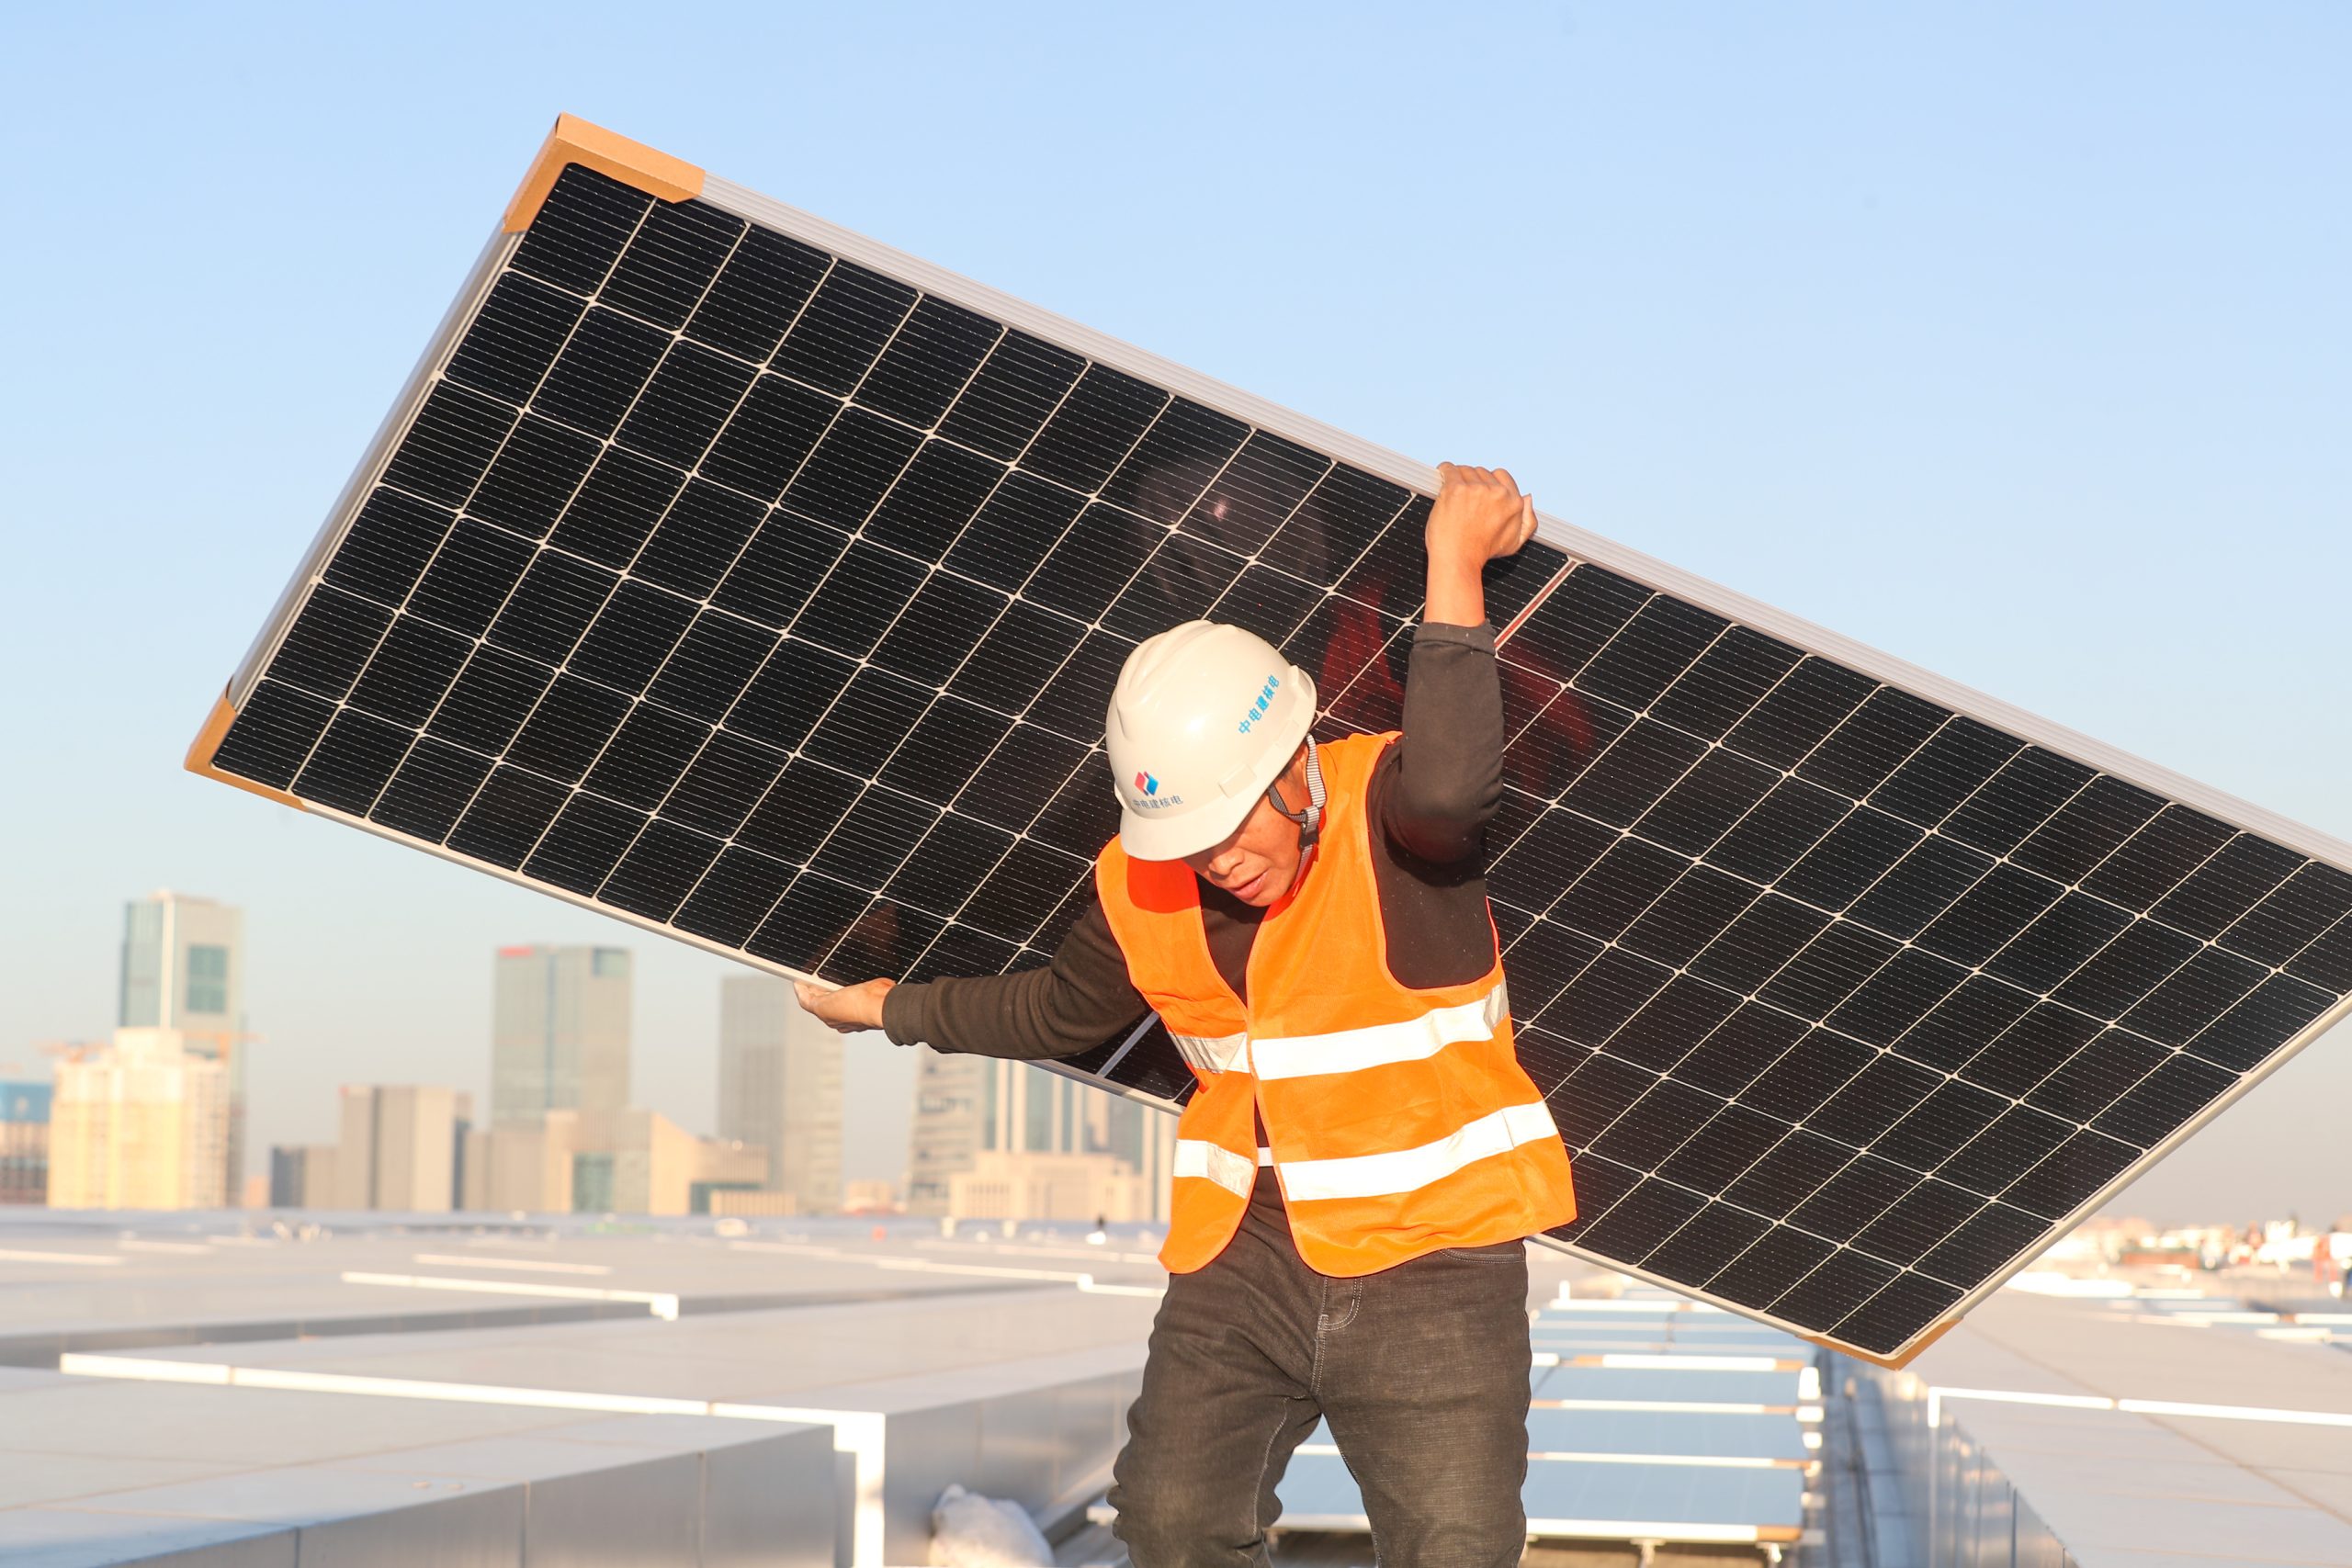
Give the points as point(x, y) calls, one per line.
point(744, 578)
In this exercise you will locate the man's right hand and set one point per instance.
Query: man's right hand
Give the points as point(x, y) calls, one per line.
point(850, 1009)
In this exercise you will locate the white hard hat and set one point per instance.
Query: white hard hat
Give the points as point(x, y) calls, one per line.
point(1205, 716)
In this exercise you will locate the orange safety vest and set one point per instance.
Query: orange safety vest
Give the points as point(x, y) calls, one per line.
point(1400, 1121)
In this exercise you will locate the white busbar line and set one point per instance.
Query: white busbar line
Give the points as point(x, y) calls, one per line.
point(661, 1303)
point(1691, 1407)
point(2235, 1412)
point(1660, 1529)
point(1087, 1284)
point(1708, 1462)
point(87, 1259)
point(521, 1265)
point(1009, 1249)
point(856, 1433)
point(1689, 1363)
point(140, 1243)
point(1937, 1394)
point(1651, 1531)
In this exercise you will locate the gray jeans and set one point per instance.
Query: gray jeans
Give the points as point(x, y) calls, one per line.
point(1420, 1370)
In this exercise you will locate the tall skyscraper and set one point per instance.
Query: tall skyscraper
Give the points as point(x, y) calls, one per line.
point(184, 969)
point(780, 1088)
point(971, 1107)
point(141, 1123)
point(560, 1032)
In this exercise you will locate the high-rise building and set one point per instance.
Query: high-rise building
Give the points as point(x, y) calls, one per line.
point(560, 1032)
point(400, 1147)
point(945, 1138)
point(23, 1141)
point(780, 1088)
point(143, 1123)
point(302, 1176)
point(975, 1112)
point(184, 969)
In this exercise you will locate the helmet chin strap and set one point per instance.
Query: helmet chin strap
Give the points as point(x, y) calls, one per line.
point(1310, 820)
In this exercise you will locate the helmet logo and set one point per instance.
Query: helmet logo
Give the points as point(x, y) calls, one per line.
point(1148, 797)
point(1258, 709)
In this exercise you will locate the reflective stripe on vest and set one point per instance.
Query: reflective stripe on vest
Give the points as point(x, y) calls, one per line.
point(1220, 1054)
point(1197, 1156)
point(1408, 1170)
point(1412, 1040)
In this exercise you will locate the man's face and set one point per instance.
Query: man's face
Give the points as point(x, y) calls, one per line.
point(1259, 861)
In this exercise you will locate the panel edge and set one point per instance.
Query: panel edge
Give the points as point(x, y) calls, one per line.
point(1903, 1356)
point(207, 743)
point(576, 140)
point(372, 462)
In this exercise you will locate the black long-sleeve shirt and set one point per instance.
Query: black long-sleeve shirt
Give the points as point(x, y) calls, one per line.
point(1431, 792)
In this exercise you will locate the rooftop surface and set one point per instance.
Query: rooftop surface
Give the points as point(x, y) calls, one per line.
point(328, 1352)
point(2159, 1430)
point(172, 1381)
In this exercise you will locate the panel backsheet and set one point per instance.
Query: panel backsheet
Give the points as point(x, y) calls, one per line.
point(766, 598)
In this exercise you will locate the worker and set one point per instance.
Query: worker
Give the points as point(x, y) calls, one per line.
point(1356, 1173)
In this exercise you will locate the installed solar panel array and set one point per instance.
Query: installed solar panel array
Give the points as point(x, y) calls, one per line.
point(733, 585)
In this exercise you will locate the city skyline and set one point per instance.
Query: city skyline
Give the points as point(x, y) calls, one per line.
point(885, 1088)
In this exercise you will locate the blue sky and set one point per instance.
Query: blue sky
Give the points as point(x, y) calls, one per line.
point(2012, 339)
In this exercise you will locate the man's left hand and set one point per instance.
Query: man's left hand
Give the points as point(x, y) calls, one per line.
point(1479, 515)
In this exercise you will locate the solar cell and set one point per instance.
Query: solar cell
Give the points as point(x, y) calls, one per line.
point(742, 578)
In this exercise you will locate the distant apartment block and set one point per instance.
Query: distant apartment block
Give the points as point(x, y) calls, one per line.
point(183, 968)
point(401, 1147)
point(1003, 1186)
point(524, 1168)
point(560, 1032)
point(780, 1089)
point(302, 1176)
point(630, 1161)
point(23, 1141)
point(141, 1124)
point(982, 1117)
